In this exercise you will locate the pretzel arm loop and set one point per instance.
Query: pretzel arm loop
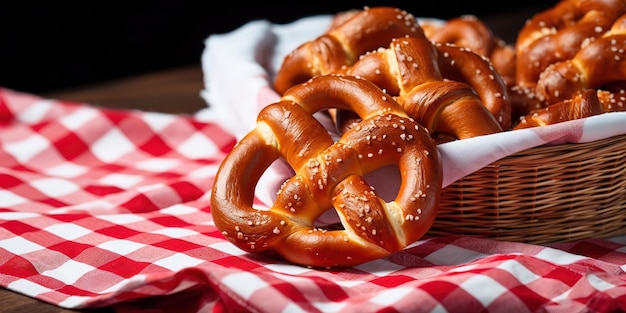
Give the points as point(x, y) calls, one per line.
point(463, 65)
point(344, 42)
point(394, 140)
point(343, 92)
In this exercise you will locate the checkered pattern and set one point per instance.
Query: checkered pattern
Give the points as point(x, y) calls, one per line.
point(105, 207)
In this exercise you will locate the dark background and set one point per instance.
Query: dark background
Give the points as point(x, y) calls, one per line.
point(54, 47)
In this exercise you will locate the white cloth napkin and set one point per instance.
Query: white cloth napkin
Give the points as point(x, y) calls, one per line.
point(238, 72)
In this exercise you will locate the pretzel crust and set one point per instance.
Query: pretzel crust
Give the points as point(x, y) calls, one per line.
point(329, 175)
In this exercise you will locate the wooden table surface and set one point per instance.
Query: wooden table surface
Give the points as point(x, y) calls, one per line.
point(174, 91)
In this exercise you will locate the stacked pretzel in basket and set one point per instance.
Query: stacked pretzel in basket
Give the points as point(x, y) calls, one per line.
point(395, 89)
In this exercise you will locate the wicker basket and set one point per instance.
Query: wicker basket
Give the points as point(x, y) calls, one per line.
point(545, 194)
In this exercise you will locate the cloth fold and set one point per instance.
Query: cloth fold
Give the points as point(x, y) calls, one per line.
point(102, 207)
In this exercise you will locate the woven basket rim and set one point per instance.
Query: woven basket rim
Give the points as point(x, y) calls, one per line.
point(549, 193)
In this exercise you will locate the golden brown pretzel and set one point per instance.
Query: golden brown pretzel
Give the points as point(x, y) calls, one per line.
point(434, 81)
point(556, 34)
point(583, 104)
point(354, 34)
point(329, 175)
point(468, 31)
point(599, 62)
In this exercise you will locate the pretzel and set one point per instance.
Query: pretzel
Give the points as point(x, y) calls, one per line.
point(600, 62)
point(586, 70)
point(351, 35)
point(437, 85)
point(584, 104)
point(468, 31)
point(329, 175)
point(556, 34)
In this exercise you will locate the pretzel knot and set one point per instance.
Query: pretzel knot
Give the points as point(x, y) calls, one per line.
point(329, 175)
point(449, 89)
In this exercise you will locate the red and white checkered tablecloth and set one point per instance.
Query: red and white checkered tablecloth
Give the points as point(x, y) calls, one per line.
point(103, 207)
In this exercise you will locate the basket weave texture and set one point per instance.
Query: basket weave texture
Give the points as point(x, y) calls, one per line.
point(545, 194)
